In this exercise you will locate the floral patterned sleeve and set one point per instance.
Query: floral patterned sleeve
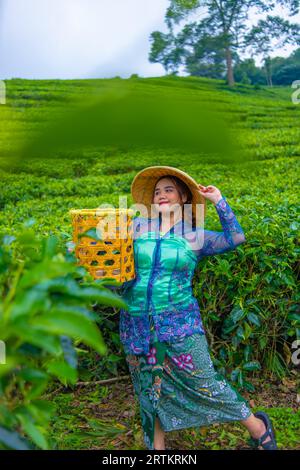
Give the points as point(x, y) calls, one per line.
point(213, 243)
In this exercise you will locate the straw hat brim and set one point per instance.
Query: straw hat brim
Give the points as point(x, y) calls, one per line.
point(143, 184)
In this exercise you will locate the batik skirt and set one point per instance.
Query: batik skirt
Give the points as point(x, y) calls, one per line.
point(177, 383)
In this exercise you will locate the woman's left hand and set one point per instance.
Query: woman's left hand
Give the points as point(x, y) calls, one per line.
point(211, 193)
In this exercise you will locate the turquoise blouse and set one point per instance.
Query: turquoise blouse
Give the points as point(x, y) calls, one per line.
point(164, 266)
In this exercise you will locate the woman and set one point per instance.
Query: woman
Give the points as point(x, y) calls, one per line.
point(162, 332)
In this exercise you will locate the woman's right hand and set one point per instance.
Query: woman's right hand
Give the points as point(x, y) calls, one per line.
point(212, 193)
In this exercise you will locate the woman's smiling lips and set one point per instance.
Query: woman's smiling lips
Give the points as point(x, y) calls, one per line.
point(163, 202)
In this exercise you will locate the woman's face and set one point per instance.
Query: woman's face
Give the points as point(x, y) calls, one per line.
point(166, 195)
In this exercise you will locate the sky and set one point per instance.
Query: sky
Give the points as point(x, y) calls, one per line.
point(81, 38)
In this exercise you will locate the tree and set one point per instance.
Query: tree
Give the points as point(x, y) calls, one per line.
point(273, 32)
point(247, 72)
point(203, 52)
point(164, 52)
point(285, 71)
point(223, 28)
point(207, 58)
point(282, 71)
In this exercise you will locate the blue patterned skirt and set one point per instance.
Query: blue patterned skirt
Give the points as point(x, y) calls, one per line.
point(177, 383)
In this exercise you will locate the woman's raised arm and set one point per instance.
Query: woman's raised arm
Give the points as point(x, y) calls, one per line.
point(213, 243)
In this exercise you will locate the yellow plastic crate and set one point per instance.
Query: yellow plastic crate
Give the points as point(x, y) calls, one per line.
point(111, 256)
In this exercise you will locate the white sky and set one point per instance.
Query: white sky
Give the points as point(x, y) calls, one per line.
point(80, 38)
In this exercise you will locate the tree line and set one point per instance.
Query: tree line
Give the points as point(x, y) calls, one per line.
point(207, 38)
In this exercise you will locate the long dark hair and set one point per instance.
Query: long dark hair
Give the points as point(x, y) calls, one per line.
point(183, 189)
